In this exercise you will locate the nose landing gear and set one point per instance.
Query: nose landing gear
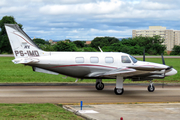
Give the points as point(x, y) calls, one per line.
point(118, 91)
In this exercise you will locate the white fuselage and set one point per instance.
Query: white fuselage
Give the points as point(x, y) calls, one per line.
point(83, 64)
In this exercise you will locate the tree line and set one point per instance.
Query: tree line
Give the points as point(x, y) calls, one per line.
point(135, 46)
point(152, 45)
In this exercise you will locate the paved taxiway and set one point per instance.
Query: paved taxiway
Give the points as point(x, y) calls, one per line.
point(158, 111)
point(73, 94)
point(87, 94)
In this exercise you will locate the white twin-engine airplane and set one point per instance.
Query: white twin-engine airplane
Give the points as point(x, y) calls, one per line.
point(85, 65)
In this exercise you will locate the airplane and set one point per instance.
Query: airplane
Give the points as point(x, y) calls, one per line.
point(85, 65)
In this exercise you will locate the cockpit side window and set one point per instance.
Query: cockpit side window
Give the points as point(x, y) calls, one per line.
point(125, 59)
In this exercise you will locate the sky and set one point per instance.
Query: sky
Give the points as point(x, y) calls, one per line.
point(87, 19)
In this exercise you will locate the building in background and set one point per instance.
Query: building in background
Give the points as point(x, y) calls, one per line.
point(52, 42)
point(172, 37)
point(87, 43)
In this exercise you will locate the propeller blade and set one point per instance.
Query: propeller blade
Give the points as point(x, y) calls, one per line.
point(169, 67)
point(162, 59)
point(144, 55)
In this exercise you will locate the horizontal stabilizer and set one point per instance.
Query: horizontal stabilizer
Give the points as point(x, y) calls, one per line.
point(25, 60)
point(36, 69)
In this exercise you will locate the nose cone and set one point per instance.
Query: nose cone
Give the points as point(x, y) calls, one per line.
point(172, 72)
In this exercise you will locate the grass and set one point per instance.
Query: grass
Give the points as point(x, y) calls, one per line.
point(35, 111)
point(18, 73)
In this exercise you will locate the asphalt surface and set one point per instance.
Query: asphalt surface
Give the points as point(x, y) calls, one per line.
point(74, 93)
point(162, 104)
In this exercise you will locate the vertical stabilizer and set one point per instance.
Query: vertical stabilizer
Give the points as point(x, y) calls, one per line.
point(21, 44)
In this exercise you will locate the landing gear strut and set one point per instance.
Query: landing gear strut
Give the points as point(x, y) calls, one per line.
point(99, 84)
point(151, 87)
point(119, 90)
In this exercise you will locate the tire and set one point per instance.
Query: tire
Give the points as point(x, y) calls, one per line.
point(118, 91)
point(151, 89)
point(99, 86)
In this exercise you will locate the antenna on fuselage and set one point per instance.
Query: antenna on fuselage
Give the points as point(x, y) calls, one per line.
point(100, 49)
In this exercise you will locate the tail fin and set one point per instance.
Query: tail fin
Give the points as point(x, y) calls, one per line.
point(21, 44)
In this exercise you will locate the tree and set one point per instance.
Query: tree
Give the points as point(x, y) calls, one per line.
point(79, 44)
point(153, 45)
point(65, 46)
point(89, 49)
point(47, 47)
point(67, 40)
point(175, 50)
point(39, 41)
point(4, 42)
point(103, 41)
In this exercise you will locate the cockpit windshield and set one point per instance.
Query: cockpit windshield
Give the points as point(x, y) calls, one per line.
point(133, 59)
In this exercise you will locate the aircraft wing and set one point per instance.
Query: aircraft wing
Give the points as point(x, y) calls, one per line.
point(126, 72)
point(131, 71)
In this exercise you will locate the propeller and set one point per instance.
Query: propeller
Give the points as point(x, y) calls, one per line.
point(144, 55)
point(162, 59)
point(165, 70)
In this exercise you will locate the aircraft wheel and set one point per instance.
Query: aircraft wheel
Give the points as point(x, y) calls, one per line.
point(118, 91)
point(99, 86)
point(151, 88)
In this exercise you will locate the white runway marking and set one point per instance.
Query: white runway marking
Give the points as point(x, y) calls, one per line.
point(87, 111)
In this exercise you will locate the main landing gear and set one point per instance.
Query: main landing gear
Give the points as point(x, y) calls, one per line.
point(151, 87)
point(118, 90)
point(99, 84)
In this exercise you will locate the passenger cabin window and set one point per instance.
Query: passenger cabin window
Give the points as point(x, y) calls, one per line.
point(79, 60)
point(109, 60)
point(94, 59)
point(125, 59)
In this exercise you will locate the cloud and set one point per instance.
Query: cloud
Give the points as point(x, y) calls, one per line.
point(86, 19)
point(103, 7)
point(150, 5)
point(64, 1)
point(2, 3)
point(13, 9)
